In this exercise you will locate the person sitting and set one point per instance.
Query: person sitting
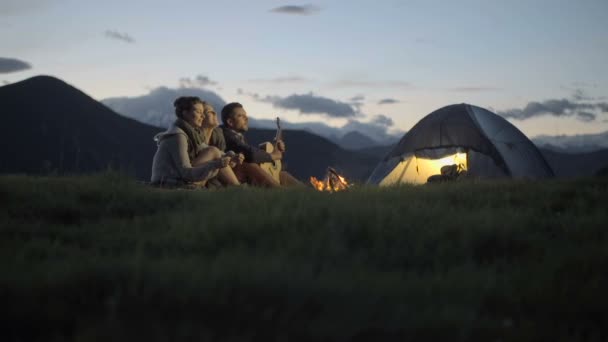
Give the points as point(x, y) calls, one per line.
point(235, 123)
point(183, 158)
point(213, 134)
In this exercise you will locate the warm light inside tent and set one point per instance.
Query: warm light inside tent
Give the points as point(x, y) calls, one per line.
point(434, 165)
point(417, 170)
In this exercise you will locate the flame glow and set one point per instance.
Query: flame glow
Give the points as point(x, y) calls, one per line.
point(333, 182)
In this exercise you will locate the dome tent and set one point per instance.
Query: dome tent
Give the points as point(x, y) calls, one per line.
point(481, 142)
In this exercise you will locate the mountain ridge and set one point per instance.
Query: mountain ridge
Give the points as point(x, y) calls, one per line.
point(56, 128)
point(73, 133)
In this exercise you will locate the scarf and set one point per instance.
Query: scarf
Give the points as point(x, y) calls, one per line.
point(217, 139)
point(195, 137)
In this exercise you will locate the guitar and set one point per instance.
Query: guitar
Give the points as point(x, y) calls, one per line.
point(274, 167)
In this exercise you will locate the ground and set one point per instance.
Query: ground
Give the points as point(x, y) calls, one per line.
point(103, 257)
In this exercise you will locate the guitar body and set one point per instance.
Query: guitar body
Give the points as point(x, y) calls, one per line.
point(274, 167)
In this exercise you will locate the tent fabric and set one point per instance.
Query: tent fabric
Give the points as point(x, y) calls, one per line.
point(494, 147)
point(450, 126)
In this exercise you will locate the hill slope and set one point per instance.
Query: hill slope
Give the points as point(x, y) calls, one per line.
point(567, 165)
point(54, 127)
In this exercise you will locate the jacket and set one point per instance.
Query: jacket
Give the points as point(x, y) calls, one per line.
point(171, 164)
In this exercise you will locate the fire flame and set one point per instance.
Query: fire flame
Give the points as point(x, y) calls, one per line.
point(333, 182)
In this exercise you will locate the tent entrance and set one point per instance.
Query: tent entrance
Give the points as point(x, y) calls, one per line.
point(417, 170)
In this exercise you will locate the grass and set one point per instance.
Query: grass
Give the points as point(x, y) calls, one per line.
point(98, 258)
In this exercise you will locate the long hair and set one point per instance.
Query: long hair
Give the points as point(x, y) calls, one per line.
point(186, 103)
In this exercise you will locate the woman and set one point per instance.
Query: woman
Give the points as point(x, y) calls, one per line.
point(213, 134)
point(183, 157)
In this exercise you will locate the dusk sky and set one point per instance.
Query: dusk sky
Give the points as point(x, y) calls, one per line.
point(540, 63)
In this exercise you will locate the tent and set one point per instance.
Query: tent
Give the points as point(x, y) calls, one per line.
point(479, 141)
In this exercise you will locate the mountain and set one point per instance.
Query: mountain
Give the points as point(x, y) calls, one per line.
point(567, 165)
point(379, 151)
point(310, 155)
point(355, 140)
point(156, 108)
point(64, 131)
point(579, 143)
point(51, 126)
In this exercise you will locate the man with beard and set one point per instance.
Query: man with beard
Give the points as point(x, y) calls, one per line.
point(235, 123)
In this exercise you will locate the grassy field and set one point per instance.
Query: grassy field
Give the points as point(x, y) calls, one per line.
point(103, 258)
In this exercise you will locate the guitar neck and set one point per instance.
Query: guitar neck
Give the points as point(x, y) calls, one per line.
point(279, 135)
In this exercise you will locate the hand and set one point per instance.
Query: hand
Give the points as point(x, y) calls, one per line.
point(281, 145)
point(276, 155)
point(225, 161)
point(236, 159)
point(240, 158)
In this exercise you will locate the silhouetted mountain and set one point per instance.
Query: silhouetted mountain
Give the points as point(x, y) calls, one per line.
point(567, 165)
point(156, 108)
point(356, 140)
point(377, 151)
point(65, 131)
point(579, 143)
point(310, 155)
point(54, 127)
point(51, 126)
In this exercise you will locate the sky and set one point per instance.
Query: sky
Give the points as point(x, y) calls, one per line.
point(383, 64)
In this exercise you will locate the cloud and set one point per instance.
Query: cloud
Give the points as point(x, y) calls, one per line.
point(199, 81)
point(297, 10)
point(579, 85)
point(378, 133)
point(371, 84)
point(156, 107)
point(312, 104)
point(560, 108)
point(581, 95)
point(574, 143)
point(473, 89)
point(387, 101)
point(357, 102)
point(357, 98)
point(586, 116)
point(8, 65)
point(281, 80)
point(374, 130)
point(18, 7)
point(119, 36)
point(383, 120)
point(5, 82)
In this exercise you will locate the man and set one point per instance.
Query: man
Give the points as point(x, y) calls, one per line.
point(235, 123)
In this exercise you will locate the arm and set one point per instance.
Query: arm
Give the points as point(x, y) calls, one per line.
point(276, 154)
point(252, 154)
point(178, 147)
point(217, 139)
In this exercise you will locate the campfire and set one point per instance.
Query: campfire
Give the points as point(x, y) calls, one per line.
point(333, 182)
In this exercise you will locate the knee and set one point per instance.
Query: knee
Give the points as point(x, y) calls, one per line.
point(214, 152)
point(251, 167)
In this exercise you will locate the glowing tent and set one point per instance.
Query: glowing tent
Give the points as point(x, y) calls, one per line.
point(479, 141)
